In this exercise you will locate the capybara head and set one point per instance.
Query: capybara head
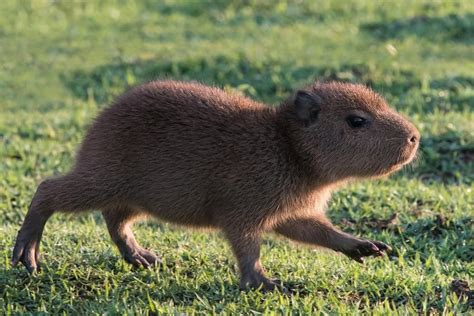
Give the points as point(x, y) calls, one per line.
point(348, 131)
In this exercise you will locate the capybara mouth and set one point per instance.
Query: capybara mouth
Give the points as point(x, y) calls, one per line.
point(403, 159)
point(410, 154)
point(407, 156)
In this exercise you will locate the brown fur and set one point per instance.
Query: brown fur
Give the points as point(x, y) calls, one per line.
point(195, 155)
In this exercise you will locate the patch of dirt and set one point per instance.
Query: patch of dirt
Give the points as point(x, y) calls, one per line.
point(462, 290)
point(374, 223)
point(296, 288)
point(435, 226)
point(348, 223)
point(384, 224)
point(467, 155)
point(441, 221)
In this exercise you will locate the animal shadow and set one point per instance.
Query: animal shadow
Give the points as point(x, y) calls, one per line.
point(452, 27)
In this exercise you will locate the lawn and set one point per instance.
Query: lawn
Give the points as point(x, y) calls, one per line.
point(61, 62)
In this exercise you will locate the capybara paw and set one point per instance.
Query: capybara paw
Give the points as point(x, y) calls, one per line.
point(150, 256)
point(262, 283)
point(382, 246)
point(367, 248)
point(26, 251)
point(141, 258)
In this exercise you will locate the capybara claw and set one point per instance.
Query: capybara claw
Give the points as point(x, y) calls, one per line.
point(367, 248)
point(26, 251)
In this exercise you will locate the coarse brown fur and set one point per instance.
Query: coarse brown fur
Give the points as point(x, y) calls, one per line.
point(194, 155)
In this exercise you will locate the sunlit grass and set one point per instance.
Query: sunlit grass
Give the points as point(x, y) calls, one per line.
point(61, 62)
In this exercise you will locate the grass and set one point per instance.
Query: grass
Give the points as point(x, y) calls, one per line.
point(61, 62)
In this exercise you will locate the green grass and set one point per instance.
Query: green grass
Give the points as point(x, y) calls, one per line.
point(62, 61)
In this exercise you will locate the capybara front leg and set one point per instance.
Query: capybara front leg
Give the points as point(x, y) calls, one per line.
point(246, 248)
point(317, 230)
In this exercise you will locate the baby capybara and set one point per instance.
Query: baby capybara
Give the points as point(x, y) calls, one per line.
point(195, 155)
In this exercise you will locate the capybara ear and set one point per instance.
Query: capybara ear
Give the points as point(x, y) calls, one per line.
point(307, 107)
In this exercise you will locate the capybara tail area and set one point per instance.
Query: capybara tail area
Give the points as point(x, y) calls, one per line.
point(70, 193)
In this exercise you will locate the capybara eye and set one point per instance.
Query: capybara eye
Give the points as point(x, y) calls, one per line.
point(355, 121)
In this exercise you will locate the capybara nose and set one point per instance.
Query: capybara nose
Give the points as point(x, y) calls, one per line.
point(414, 137)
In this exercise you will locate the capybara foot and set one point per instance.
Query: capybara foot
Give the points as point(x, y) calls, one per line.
point(26, 250)
point(366, 248)
point(141, 257)
point(262, 283)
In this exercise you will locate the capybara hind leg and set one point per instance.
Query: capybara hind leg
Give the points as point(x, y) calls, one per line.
point(28, 240)
point(119, 221)
point(69, 193)
point(246, 248)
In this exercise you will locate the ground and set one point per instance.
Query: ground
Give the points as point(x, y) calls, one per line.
point(63, 61)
